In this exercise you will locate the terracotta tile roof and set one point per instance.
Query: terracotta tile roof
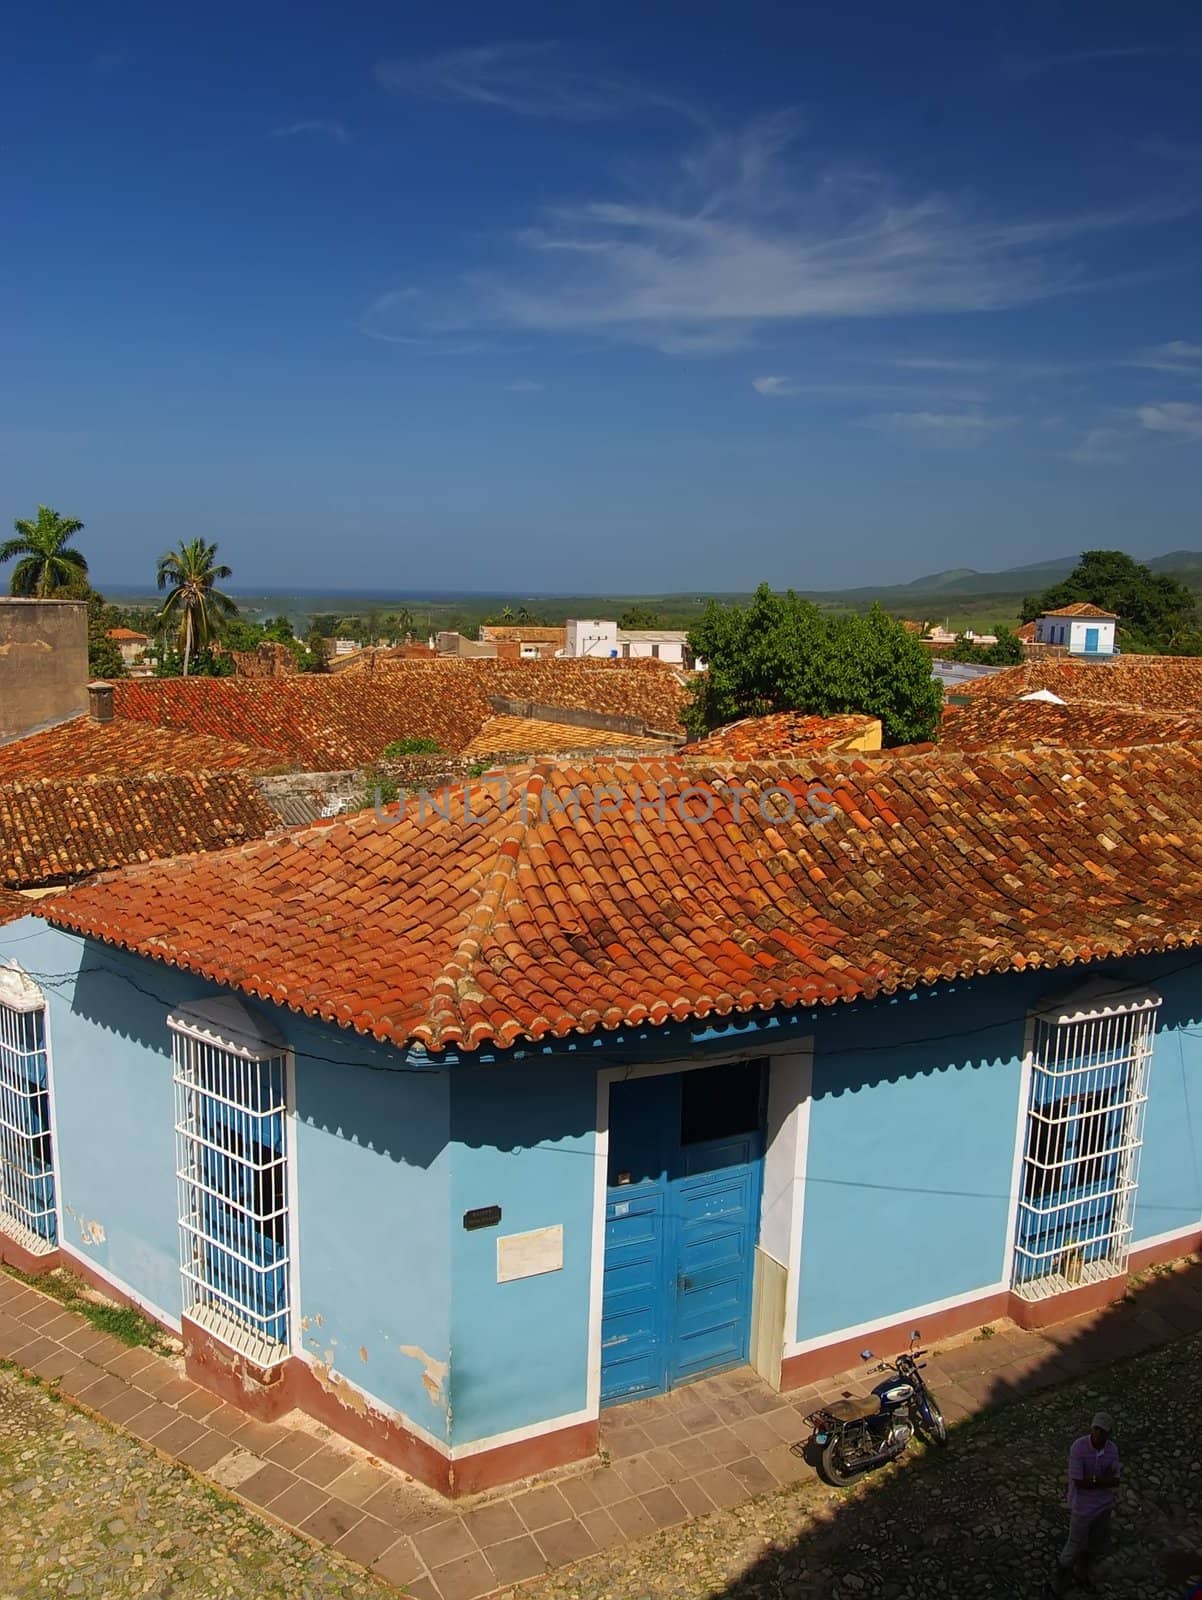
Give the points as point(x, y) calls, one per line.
point(542, 919)
point(82, 748)
point(128, 635)
point(524, 634)
point(1026, 633)
point(326, 722)
point(533, 736)
point(1023, 724)
point(1082, 608)
point(787, 733)
point(13, 906)
point(1150, 683)
point(53, 832)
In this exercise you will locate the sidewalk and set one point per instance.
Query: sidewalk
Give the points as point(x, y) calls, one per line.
point(710, 1446)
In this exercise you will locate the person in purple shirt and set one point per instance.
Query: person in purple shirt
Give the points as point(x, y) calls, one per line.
point(1093, 1482)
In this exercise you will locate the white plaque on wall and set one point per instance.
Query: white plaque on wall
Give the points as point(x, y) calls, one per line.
point(526, 1255)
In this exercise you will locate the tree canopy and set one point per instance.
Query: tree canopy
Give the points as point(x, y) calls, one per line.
point(47, 562)
point(781, 653)
point(1007, 652)
point(194, 606)
point(640, 616)
point(1157, 613)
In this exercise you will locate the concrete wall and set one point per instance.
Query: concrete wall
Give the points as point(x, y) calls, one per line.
point(43, 663)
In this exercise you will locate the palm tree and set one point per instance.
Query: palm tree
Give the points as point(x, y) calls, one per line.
point(47, 562)
point(193, 605)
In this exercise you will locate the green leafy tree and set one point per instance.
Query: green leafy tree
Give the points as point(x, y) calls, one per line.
point(1157, 613)
point(639, 616)
point(313, 658)
point(780, 653)
point(104, 655)
point(47, 562)
point(415, 745)
point(1007, 652)
point(194, 606)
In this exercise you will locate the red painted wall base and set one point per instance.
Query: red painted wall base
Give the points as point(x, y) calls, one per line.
point(26, 1261)
point(297, 1384)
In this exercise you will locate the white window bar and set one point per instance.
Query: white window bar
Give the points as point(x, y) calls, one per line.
point(27, 1200)
point(231, 1131)
point(1083, 1138)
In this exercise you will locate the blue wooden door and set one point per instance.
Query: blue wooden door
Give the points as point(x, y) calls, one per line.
point(682, 1213)
point(1091, 641)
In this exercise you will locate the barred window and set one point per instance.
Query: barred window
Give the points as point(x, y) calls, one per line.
point(27, 1201)
point(231, 1128)
point(1083, 1136)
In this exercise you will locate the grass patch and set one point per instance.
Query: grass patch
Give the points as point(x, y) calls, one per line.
point(122, 1322)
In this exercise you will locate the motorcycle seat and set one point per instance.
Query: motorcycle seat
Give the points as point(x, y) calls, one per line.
point(854, 1410)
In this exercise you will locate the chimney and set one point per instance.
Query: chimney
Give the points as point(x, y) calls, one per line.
point(100, 701)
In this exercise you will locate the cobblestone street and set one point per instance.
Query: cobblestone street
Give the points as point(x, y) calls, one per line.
point(86, 1510)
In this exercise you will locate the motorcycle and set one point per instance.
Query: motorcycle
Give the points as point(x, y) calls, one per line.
point(856, 1434)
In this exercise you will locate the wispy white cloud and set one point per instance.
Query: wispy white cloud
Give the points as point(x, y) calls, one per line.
point(1176, 356)
point(524, 386)
point(736, 241)
point(772, 388)
point(1025, 67)
point(1172, 416)
point(318, 127)
point(1100, 447)
point(948, 424)
point(528, 78)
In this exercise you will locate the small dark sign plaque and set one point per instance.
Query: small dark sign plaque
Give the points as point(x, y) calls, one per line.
point(482, 1217)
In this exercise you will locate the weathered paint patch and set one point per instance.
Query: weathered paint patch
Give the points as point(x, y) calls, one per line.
point(362, 1352)
point(434, 1373)
point(90, 1231)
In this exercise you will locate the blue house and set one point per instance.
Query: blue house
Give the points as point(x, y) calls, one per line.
point(455, 1127)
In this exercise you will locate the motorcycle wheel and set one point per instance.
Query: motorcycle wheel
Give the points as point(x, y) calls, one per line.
point(936, 1426)
point(833, 1469)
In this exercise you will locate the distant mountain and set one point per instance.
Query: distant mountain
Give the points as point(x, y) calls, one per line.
point(964, 583)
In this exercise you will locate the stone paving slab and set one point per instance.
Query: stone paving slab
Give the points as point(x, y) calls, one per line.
point(709, 1447)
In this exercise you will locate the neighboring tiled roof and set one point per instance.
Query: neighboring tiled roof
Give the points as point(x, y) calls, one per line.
point(14, 905)
point(533, 736)
point(51, 832)
point(127, 635)
point(1082, 608)
point(1024, 724)
point(524, 634)
point(1151, 683)
point(542, 917)
point(787, 733)
point(82, 748)
point(325, 722)
point(1027, 632)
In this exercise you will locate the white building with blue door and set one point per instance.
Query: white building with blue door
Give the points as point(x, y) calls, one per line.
point(1081, 629)
point(457, 1127)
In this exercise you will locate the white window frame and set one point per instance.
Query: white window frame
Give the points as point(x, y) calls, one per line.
point(231, 1068)
point(28, 1180)
point(1085, 1094)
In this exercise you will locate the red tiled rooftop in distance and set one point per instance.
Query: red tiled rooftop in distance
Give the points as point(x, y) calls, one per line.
point(82, 748)
point(1148, 683)
point(328, 722)
point(510, 929)
point(532, 736)
point(53, 831)
point(787, 733)
point(1082, 608)
point(1024, 724)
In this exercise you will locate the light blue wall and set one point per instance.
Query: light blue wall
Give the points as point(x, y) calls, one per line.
point(371, 1164)
point(523, 1139)
point(912, 1129)
point(114, 1108)
point(373, 1199)
point(911, 1150)
point(1170, 1180)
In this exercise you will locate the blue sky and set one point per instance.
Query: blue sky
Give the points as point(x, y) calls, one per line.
point(551, 298)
